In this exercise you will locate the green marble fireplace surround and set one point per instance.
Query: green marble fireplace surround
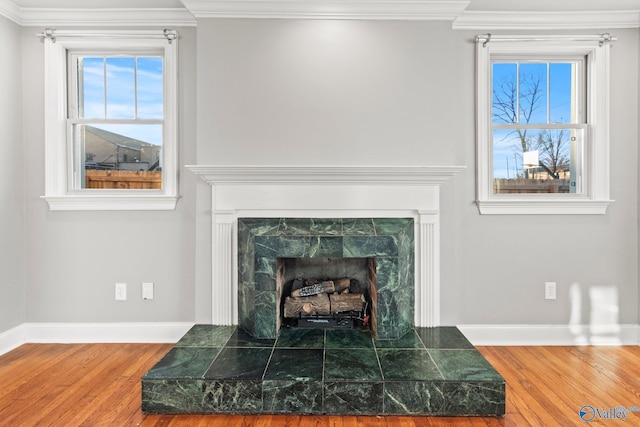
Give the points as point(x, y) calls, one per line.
point(261, 241)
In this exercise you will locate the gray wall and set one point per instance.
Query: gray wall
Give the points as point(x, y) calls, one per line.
point(73, 259)
point(356, 92)
point(313, 92)
point(12, 229)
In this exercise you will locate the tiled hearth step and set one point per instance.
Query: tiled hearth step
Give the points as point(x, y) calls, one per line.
point(222, 369)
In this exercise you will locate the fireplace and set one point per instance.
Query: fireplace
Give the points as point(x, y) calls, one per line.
point(245, 194)
point(272, 250)
point(273, 226)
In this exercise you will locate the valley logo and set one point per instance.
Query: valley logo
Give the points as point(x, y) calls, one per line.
point(589, 413)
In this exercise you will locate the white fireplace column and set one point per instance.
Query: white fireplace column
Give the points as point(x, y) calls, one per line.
point(428, 269)
point(224, 288)
point(325, 192)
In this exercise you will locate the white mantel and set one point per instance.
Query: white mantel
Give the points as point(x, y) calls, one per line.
point(325, 192)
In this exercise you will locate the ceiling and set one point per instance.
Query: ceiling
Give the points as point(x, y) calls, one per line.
point(477, 14)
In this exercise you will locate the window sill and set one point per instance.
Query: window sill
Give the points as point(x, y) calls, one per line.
point(543, 207)
point(135, 202)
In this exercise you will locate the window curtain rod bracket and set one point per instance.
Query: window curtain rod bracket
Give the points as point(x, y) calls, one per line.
point(51, 33)
point(48, 34)
point(600, 38)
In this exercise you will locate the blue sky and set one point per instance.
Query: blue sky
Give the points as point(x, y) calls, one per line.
point(117, 79)
point(553, 106)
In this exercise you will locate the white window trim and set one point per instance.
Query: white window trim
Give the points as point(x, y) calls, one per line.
point(58, 158)
point(595, 197)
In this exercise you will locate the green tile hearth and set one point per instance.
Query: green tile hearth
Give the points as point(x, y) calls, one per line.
point(223, 369)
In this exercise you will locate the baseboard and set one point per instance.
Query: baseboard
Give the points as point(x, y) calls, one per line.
point(484, 335)
point(12, 338)
point(143, 332)
point(523, 335)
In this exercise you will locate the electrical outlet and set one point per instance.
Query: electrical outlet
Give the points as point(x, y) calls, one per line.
point(147, 290)
point(550, 290)
point(121, 291)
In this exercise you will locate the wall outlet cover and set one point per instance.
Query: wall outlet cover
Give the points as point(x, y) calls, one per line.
point(550, 290)
point(121, 291)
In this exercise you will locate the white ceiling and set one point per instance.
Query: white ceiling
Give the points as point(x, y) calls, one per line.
point(476, 14)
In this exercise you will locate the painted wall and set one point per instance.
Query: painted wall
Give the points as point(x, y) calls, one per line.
point(75, 258)
point(396, 93)
point(326, 92)
point(12, 229)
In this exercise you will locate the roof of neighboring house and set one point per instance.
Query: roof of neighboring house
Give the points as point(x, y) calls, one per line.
point(118, 139)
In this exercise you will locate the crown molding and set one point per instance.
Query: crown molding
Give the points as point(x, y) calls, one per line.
point(499, 20)
point(111, 17)
point(441, 10)
point(107, 17)
point(10, 11)
point(328, 9)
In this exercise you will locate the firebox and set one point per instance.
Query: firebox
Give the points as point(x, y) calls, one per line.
point(318, 256)
point(327, 293)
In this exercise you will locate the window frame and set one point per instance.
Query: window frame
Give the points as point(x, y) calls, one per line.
point(59, 166)
point(594, 198)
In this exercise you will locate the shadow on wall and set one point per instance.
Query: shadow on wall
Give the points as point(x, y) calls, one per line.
point(599, 306)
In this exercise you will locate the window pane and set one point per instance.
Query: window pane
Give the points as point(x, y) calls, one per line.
point(120, 88)
point(118, 156)
point(150, 88)
point(504, 107)
point(562, 88)
point(532, 94)
point(91, 90)
point(537, 161)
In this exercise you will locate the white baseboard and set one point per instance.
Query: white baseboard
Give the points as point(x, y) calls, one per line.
point(68, 333)
point(523, 335)
point(484, 335)
point(12, 338)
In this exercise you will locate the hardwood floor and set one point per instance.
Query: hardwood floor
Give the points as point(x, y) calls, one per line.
point(99, 385)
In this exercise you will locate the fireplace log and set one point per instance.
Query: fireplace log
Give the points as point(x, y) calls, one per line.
point(308, 306)
point(346, 302)
point(297, 284)
point(317, 288)
point(342, 285)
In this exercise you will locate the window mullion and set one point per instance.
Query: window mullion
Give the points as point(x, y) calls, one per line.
point(517, 92)
point(104, 85)
point(135, 87)
point(548, 92)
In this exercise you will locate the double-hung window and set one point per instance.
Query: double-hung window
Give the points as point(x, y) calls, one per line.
point(542, 125)
point(111, 131)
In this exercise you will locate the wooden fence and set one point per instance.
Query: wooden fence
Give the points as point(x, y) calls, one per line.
point(510, 186)
point(119, 179)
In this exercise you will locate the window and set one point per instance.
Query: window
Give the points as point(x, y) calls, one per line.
point(542, 138)
point(110, 122)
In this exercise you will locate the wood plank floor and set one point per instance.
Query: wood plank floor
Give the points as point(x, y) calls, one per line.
point(99, 385)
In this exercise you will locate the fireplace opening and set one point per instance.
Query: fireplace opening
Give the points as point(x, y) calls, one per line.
point(327, 293)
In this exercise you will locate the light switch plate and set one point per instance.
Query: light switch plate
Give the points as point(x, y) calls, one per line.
point(147, 290)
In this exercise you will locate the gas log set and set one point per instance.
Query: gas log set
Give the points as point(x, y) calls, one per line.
point(326, 303)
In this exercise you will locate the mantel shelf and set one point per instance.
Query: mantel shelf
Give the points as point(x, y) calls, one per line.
point(400, 175)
